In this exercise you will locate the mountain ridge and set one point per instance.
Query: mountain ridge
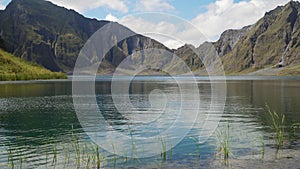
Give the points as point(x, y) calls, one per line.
point(268, 42)
point(13, 68)
point(54, 38)
point(272, 43)
point(32, 31)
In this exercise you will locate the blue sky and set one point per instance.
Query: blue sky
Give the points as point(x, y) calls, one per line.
point(187, 9)
point(211, 17)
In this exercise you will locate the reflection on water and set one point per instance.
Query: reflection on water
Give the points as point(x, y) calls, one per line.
point(36, 116)
point(33, 89)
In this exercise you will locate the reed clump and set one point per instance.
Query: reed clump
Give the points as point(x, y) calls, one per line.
point(277, 121)
point(223, 140)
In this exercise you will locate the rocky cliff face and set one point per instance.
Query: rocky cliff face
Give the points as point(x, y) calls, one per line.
point(41, 32)
point(52, 36)
point(205, 55)
point(229, 39)
point(189, 54)
point(274, 39)
point(38, 31)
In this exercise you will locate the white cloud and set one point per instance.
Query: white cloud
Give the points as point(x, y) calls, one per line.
point(220, 16)
point(82, 6)
point(110, 17)
point(225, 14)
point(169, 30)
point(140, 24)
point(2, 6)
point(158, 30)
point(153, 5)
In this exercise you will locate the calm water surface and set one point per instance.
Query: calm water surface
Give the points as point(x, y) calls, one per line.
point(39, 127)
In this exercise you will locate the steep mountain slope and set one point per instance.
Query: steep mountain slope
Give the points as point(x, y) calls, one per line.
point(189, 54)
point(38, 31)
point(52, 36)
point(273, 40)
point(13, 68)
point(229, 39)
point(209, 51)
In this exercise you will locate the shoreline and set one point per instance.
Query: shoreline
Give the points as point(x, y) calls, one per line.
point(159, 77)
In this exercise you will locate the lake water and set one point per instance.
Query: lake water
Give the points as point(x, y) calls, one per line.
point(39, 126)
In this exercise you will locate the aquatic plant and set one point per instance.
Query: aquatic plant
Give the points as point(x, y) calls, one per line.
point(171, 151)
point(115, 155)
point(133, 147)
point(98, 157)
point(21, 162)
point(77, 149)
point(54, 154)
point(88, 162)
point(66, 155)
point(278, 124)
point(164, 150)
point(93, 157)
point(125, 157)
point(11, 156)
point(223, 139)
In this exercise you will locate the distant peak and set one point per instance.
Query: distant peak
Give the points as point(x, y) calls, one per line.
point(293, 3)
point(29, 3)
point(24, 1)
point(20, 1)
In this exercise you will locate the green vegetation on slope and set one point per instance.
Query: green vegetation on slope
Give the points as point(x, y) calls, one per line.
point(52, 36)
point(272, 40)
point(293, 70)
point(41, 32)
point(13, 68)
